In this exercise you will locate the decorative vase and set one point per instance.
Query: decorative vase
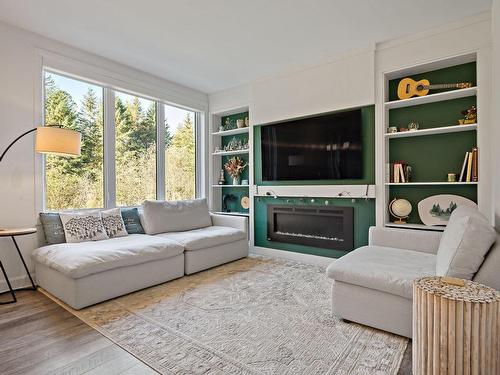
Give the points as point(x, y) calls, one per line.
point(237, 180)
point(240, 123)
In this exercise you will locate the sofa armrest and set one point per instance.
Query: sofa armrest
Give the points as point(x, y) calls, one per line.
point(417, 240)
point(238, 222)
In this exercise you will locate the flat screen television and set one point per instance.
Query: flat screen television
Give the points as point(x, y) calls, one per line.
point(327, 147)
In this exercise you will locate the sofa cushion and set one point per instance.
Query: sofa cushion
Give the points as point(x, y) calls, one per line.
point(465, 242)
point(386, 269)
point(204, 238)
point(83, 226)
point(175, 216)
point(113, 223)
point(77, 260)
point(132, 220)
point(52, 227)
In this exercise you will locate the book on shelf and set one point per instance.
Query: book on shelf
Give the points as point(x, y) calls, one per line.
point(469, 172)
point(399, 172)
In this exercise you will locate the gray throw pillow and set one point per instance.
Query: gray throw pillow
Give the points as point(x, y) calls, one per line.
point(132, 220)
point(83, 226)
point(113, 223)
point(52, 228)
point(465, 242)
point(175, 216)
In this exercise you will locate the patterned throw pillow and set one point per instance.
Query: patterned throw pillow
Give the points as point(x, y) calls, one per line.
point(113, 223)
point(52, 228)
point(83, 226)
point(132, 220)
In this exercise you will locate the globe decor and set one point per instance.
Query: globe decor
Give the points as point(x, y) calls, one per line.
point(400, 209)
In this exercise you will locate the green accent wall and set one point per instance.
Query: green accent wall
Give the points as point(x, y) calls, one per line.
point(238, 192)
point(364, 217)
point(364, 210)
point(432, 157)
point(368, 134)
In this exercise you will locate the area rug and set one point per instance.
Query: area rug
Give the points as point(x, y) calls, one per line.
point(253, 316)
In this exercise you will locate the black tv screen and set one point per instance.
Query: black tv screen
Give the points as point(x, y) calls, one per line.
point(326, 147)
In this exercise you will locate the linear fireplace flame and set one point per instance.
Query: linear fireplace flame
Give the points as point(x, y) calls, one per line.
point(327, 227)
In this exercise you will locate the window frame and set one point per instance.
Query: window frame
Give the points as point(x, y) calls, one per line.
point(109, 140)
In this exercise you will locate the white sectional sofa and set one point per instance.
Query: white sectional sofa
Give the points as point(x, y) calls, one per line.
point(372, 285)
point(85, 273)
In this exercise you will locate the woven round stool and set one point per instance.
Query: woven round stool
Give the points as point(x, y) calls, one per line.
point(456, 324)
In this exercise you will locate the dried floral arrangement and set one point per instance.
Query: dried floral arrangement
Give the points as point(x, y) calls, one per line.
point(235, 166)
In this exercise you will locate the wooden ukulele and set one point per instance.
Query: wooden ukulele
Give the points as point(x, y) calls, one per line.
point(408, 87)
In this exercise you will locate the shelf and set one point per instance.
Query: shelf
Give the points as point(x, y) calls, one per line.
point(233, 213)
point(447, 95)
point(440, 130)
point(428, 183)
point(232, 132)
point(236, 152)
point(415, 226)
point(224, 186)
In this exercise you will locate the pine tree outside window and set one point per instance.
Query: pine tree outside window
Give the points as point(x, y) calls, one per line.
point(75, 182)
point(119, 165)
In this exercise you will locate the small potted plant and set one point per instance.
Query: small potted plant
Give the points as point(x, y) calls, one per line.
point(235, 167)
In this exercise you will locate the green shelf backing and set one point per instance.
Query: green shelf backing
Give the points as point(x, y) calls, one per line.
point(432, 157)
point(432, 115)
point(364, 217)
point(453, 74)
point(368, 134)
point(238, 192)
point(233, 118)
point(415, 194)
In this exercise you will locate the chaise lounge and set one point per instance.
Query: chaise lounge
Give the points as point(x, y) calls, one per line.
point(372, 285)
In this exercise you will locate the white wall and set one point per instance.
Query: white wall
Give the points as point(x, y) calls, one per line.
point(22, 55)
point(495, 99)
point(344, 83)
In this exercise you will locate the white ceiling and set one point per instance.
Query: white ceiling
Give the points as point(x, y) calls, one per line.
point(216, 44)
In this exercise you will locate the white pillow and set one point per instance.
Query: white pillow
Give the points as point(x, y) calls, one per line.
point(175, 216)
point(465, 242)
point(113, 223)
point(83, 226)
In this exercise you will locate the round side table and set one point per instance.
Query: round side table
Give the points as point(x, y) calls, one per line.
point(12, 233)
point(456, 324)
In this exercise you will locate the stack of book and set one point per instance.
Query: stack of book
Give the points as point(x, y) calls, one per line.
point(399, 172)
point(469, 171)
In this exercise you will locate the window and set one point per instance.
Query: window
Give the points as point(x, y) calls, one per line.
point(135, 135)
point(180, 153)
point(119, 165)
point(75, 182)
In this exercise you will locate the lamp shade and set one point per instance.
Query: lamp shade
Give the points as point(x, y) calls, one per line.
point(57, 141)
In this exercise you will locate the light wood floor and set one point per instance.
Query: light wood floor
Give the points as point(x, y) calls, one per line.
point(37, 336)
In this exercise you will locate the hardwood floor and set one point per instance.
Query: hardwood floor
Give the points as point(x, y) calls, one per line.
point(37, 336)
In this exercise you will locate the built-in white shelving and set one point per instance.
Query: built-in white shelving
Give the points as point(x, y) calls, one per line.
point(415, 226)
point(217, 140)
point(437, 183)
point(224, 186)
point(433, 98)
point(439, 130)
point(386, 139)
point(235, 152)
point(231, 132)
point(232, 213)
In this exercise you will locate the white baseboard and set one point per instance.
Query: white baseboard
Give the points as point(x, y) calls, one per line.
point(290, 255)
point(17, 282)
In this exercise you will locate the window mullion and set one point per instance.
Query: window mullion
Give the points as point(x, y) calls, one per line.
point(109, 149)
point(160, 151)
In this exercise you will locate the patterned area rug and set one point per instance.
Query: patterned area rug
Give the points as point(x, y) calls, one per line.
point(253, 316)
